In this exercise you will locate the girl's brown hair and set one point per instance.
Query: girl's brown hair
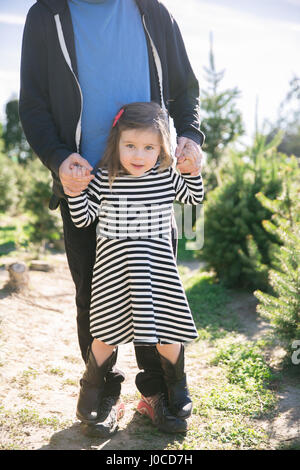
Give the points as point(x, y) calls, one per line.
point(139, 115)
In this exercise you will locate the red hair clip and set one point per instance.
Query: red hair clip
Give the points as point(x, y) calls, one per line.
point(118, 116)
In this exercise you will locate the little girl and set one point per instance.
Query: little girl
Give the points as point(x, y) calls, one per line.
point(137, 295)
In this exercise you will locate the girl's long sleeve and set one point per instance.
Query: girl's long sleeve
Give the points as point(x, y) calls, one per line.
point(188, 189)
point(84, 208)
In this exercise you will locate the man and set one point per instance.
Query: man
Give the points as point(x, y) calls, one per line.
point(82, 60)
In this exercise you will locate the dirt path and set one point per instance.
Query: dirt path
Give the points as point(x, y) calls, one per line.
point(41, 367)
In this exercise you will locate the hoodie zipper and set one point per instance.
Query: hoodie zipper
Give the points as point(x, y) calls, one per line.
point(157, 64)
point(68, 60)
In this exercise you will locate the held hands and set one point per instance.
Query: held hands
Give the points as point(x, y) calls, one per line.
point(189, 156)
point(74, 174)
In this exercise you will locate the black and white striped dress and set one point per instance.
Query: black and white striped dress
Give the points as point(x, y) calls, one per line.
point(137, 294)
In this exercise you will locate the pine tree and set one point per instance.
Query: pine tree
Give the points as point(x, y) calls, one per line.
point(221, 121)
point(282, 306)
point(289, 120)
point(236, 244)
point(15, 144)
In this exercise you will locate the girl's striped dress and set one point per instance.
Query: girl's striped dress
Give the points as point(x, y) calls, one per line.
point(137, 294)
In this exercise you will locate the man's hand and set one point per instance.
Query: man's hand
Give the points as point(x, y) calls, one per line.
point(74, 174)
point(189, 156)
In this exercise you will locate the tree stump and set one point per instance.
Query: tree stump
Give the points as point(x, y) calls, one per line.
point(18, 276)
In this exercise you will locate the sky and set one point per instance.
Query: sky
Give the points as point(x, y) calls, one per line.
point(256, 42)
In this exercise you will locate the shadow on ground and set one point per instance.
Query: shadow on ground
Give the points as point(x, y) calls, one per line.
point(139, 433)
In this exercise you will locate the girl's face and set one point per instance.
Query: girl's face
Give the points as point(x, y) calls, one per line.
point(139, 150)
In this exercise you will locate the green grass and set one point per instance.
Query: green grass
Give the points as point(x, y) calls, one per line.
point(16, 424)
point(55, 371)
point(14, 233)
point(243, 388)
point(182, 253)
point(246, 365)
point(295, 445)
point(208, 301)
point(7, 239)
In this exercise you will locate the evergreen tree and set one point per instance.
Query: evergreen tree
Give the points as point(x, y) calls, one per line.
point(236, 244)
point(221, 121)
point(282, 306)
point(15, 143)
point(44, 226)
point(289, 109)
point(289, 120)
point(8, 180)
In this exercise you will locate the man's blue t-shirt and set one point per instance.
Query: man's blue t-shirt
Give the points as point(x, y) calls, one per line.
point(113, 67)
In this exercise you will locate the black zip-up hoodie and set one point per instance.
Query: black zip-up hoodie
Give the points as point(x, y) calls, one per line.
point(50, 103)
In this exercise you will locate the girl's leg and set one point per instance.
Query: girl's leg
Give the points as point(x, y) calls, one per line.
point(101, 351)
point(169, 351)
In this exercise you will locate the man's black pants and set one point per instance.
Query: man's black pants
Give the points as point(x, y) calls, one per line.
point(80, 246)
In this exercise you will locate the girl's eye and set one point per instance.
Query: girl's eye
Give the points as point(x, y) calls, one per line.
point(149, 147)
point(130, 146)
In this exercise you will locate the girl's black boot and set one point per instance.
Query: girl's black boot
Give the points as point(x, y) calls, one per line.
point(150, 383)
point(93, 389)
point(180, 402)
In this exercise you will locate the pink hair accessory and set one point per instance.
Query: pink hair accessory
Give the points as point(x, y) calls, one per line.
point(118, 116)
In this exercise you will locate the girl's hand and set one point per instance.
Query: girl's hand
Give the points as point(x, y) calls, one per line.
point(189, 156)
point(78, 171)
